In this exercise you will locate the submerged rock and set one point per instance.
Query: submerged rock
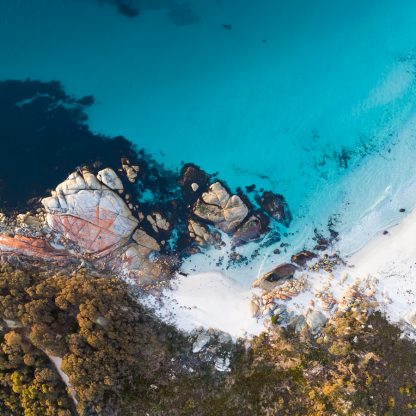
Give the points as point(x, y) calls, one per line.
point(252, 229)
point(276, 206)
point(193, 182)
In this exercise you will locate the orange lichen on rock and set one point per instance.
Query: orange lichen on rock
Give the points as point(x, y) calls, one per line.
point(31, 247)
point(86, 212)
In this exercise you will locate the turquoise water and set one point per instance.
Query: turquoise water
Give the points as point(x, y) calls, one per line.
point(314, 100)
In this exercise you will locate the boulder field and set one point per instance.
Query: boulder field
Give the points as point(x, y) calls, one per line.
point(90, 219)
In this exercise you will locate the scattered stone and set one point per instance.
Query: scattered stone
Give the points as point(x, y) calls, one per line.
point(130, 170)
point(326, 299)
point(27, 220)
point(287, 290)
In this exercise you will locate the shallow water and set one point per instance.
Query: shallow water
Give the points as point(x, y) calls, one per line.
point(314, 100)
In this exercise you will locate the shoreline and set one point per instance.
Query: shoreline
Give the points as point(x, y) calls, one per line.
point(391, 259)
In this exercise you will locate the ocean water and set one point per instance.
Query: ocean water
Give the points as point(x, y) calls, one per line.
point(315, 100)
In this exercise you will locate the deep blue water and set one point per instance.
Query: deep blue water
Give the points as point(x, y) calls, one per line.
point(314, 100)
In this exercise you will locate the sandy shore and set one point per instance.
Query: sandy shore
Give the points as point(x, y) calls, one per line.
point(391, 258)
point(211, 300)
point(217, 300)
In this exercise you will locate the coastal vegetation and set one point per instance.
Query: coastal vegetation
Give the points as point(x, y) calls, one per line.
point(120, 360)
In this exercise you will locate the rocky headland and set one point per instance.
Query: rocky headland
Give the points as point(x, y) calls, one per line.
point(90, 219)
point(88, 222)
point(118, 211)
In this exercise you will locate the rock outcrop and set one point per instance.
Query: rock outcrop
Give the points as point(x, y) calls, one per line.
point(158, 222)
point(89, 214)
point(108, 177)
point(199, 233)
point(275, 277)
point(36, 248)
point(88, 221)
point(216, 206)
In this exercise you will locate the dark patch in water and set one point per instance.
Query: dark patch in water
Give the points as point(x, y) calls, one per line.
point(43, 137)
point(132, 8)
point(127, 9)
point(183, 15)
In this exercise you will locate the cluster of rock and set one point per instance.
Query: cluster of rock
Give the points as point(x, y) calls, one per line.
point(86, 218)
point(286, 281)
point(327, 262)
point(357, 294)
point(214, 347)
point(214, 208)
point(92, 218)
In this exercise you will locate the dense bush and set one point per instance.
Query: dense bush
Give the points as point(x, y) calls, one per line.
point(121, 361)
point(103, 336)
